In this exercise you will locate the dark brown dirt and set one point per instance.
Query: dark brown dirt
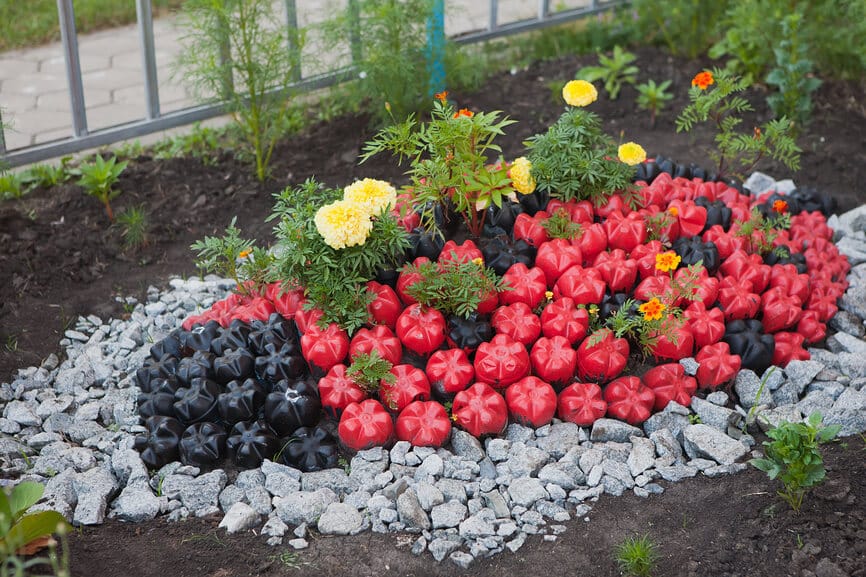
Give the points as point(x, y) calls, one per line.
point(59, 258)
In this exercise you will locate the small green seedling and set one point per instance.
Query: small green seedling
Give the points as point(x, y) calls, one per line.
point(98, 179)
point(793, 457)
point(18, 528)
point(133, 223)
point(652, 97)
point(614, 70)
point(637, 556)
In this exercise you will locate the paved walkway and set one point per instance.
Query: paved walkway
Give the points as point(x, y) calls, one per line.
point(33, 89)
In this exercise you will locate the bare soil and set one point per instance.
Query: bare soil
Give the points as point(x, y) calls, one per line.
point(59, 258)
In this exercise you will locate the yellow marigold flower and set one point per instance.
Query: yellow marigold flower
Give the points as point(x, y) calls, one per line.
point(373, 195)
point(703, 79)
point(343, 224)
point(478, 261)
point(521, 175)
point(652, 310)
point(579, 93)
point(667, 261)
point(245, 253)
point(631, 153)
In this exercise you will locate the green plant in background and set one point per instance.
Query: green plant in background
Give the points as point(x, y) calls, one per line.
point(615, 71)
point(387, 40)
point(560, 225)
point(98, 179)
point(240, 51)
point(133, 223)
point(652, 97)
point(11, 185)
point(449, 160)
point(575, 159)
point(202, 142)
point(370, 370)
point(714, 100)
point(792, 76)
point(47, 175)
point(685, 27)
point(453, 287)
point(229, 256)
point(23, 533)
point(332, 247)
point(794, 458)
point(637, 556)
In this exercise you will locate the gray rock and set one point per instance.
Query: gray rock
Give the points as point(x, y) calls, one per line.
point(642, 455)
point(340, 519)
point(517, 542)
point(774, 417)
point(612, 430)
point(22, 413)
point(12, 449)
point(517, 433)
point(398, 452)
point(275, 527)
point(705, 441)
point(759, 183)
point(674, 473)
point(720, 470)
point(240, 517)
point(819, 401)
point(711, 414)
point(358, 499)
point(461, 559)
point(847, 322)
point(496, 503)
point(466, 445)
point(137, 503)
point(281, 480)
point(479, 525)
point(196, 493)
point(747, 385)
point(525, 461)
point(93, 490)
point(849, 411)
point(303, 507)
point(526, 490)
point(448, 515)
point(787, 394)
point(230, 495)
point(428, 495)
point(565, 475)
point(441, 548)
point(410, 511)
point(497, 449)
point(128, 467)
point(618, 471)
point(850, 343)
point(432, 466)
point(388, 515)
point(334, 479)
point(594, 476)
point(717, 398)
point(852, 365)
point(671, 418)
point(801, 373)
point(560, 438)
point(259, 499)
point(690, 365)
point(363, 471)
point(419, 546)
point(589, 459)
point(298, 544)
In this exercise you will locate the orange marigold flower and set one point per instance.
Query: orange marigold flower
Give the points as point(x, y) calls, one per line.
point(464, 112)
point(780, 206)
point(667, 261)
point(652, 310)
point(245, 253)
point(441, 96)
point(673, 211)
point(703, 79)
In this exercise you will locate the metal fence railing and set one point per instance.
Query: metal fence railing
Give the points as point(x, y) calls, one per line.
point(154, 120)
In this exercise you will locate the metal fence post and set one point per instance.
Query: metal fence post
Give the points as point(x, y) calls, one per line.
point(2, 135)
point(144, 13)
point(69, 39)
point(293, 38)
point(494, 15)
point(543, 9)
point(436, 47)
point(355, 31)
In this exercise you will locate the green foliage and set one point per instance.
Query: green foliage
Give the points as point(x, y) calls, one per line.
point(18, 528)
point(560, 225)
point(652, 97)
point(760, 232)
point(11, 185)
point(202, 142)
point(792, 75)
point(333, 280)
point(793, 457)
point(370, 370)
point(637, 556)
point(685, 27)
point(614, 70)
point(47, 175)
point(240, 51)
point(454, 288)
point(389, 53)
point(226, 255)
point(736, 153)
point(98, 179)
point(575, 160)
point(133, 223)
point(449, 160)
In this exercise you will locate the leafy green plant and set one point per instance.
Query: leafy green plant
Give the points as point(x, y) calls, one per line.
point(614, 70)
point(333, 278)
point(794, 458)
point(719, 105)
point(449, 160)
point(576, 160)
point(11, 185)
point(792, 76)
point(760, 232)
point(239, 51)
point(229, 256)
point(560, 225)
point(98, 179)
point(453, 287)
point(133, 223)
point(684, 27)
point(47, 175)
point(369, 370)
point(652, 97)
point(637, 556)
point(23, 532)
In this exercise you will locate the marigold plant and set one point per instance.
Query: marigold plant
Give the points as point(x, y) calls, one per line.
point(579, 93)
point(631, 153)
